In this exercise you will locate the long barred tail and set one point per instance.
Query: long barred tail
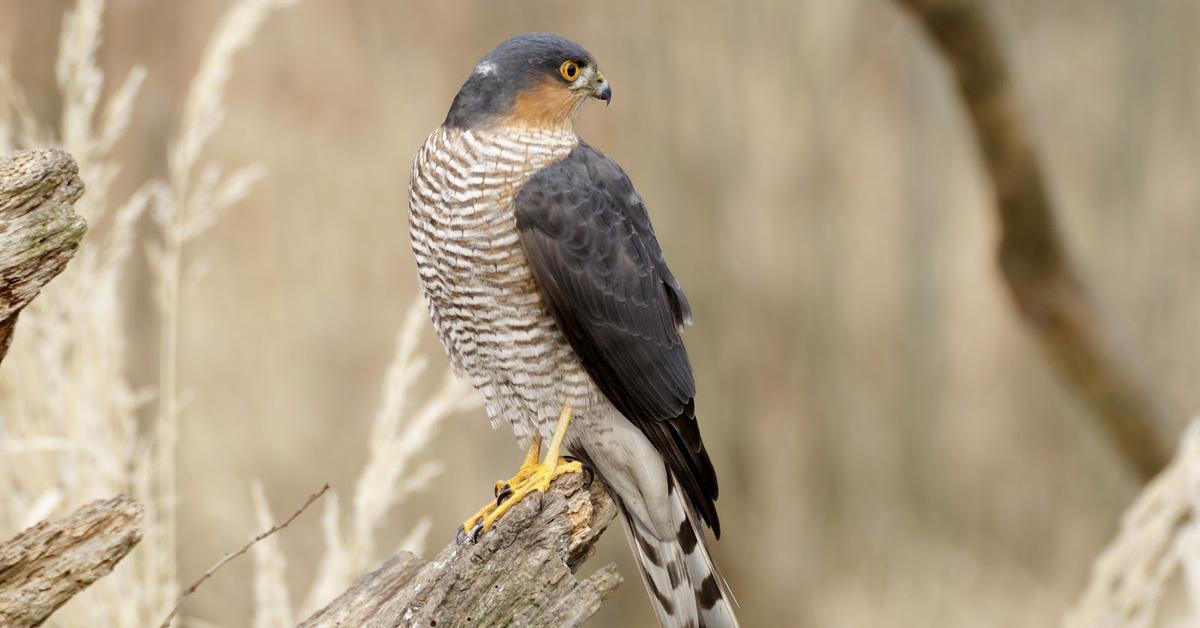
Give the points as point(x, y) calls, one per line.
point(685, 587)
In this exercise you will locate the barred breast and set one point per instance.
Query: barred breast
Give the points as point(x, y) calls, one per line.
point(473, 273)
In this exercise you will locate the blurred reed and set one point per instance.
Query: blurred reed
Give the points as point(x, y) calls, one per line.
point(891, 447)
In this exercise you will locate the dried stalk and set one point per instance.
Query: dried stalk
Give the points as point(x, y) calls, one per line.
point(242, 550)
point(1129, 581)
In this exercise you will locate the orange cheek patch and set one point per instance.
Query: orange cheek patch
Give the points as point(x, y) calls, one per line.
point(546, 104)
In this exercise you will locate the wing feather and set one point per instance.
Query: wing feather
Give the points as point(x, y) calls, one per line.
point(601, 273)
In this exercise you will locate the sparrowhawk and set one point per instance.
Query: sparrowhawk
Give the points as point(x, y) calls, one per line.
point(549, 291)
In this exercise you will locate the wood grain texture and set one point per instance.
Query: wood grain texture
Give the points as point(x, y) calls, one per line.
point(44, 566)
point(520, 573)
point(39, 230)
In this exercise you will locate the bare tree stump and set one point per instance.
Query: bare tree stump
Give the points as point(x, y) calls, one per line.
point(521, 573)
point(44, 566)
point(39, 231)
point(1042, 280)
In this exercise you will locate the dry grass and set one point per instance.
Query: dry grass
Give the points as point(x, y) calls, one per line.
point(272, 602)
point(892, 449)
point(390, 475)
point(68, 414)
point(195, 197)
point(69, 429)
point(1157, 545)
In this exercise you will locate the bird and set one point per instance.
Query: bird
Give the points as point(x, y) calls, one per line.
point(550, 293)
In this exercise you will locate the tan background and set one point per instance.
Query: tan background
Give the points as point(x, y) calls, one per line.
point(892, 449)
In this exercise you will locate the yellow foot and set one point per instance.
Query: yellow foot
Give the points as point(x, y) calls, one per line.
point(532, 477)
point(510, 493)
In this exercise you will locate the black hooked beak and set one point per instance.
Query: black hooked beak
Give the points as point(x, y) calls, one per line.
point(601, 89)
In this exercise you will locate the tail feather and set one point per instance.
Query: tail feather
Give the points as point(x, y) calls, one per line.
point(686, 589)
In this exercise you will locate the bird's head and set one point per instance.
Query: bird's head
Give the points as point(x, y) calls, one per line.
point(537, 80)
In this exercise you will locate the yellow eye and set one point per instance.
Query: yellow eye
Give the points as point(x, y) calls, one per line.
point(569, 70)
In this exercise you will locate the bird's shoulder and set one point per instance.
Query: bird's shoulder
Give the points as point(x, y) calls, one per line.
point(588, 206)
point(585, 178)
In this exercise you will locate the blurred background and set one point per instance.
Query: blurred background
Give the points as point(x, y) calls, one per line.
point(893, 448)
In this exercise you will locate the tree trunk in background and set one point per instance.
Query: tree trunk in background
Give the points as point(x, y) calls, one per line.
point(1037, 267)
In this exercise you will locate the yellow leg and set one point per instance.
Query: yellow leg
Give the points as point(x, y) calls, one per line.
point(532, 477)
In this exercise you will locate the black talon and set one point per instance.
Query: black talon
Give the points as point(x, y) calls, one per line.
point(463, 537)
point(585, 467)
point(588, 475)
point(503, 494)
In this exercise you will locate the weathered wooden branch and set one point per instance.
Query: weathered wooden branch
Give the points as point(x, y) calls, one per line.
point(521, 573)
point(39, 232)
point(44, 566)
point(1041, 278)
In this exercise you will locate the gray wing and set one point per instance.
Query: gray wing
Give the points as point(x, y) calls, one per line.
point(601, 273)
